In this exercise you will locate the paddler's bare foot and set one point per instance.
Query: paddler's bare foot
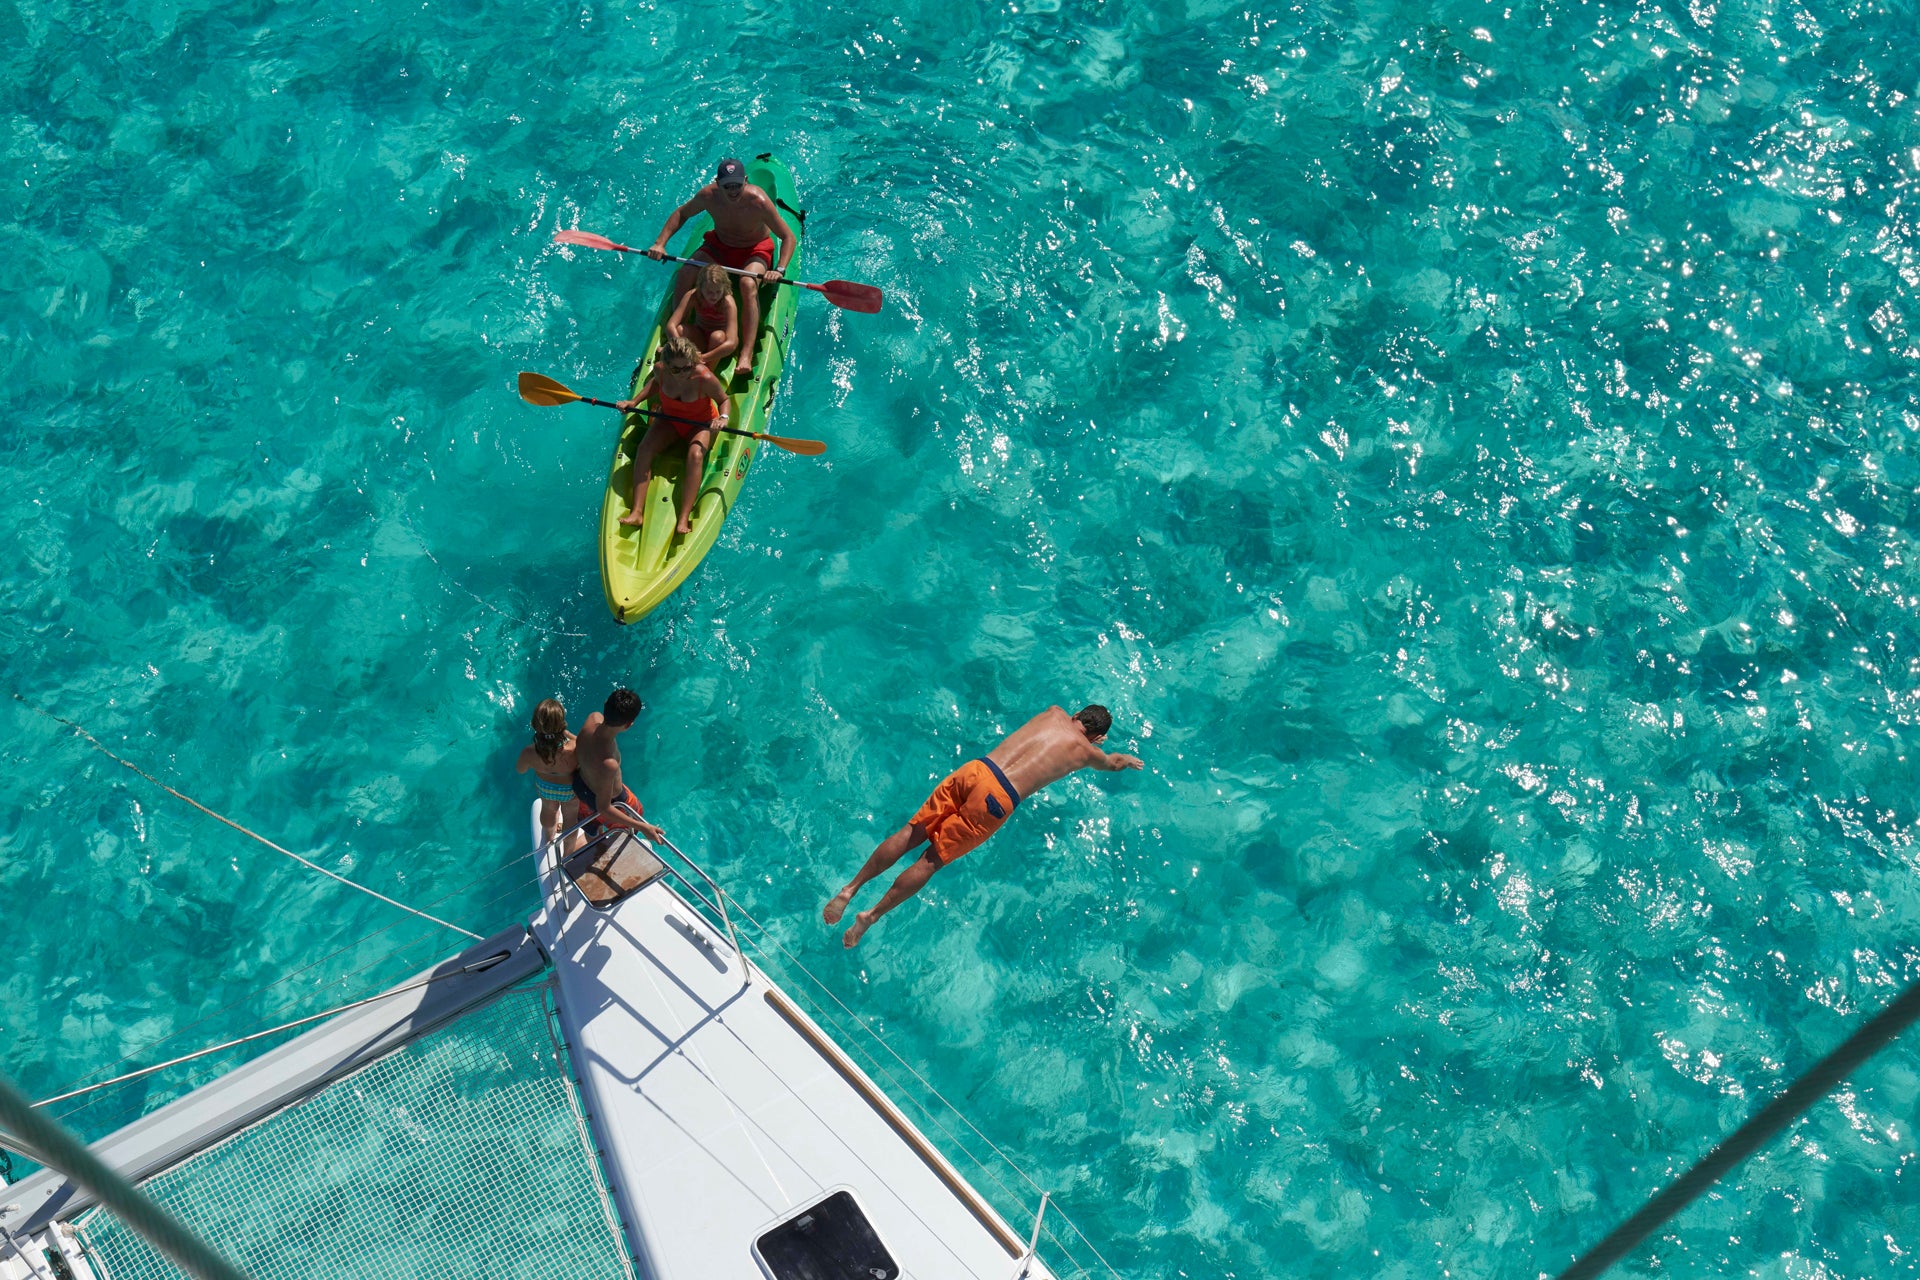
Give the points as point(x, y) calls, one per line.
point(743, 366)
point(685, 525)
point(633, 518)
point(862, 922)
point(837, 906)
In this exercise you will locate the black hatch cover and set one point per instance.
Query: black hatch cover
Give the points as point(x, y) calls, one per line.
point(831, 1240)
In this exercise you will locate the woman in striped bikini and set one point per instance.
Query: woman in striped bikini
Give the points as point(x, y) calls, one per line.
point(550, 756)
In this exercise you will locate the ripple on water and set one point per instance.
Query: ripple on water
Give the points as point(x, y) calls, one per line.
point(1468, 452)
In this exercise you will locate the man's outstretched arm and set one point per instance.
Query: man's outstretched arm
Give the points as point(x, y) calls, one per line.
point(675, 221)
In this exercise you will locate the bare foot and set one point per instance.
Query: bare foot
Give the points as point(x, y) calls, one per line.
point(685, 526)
point(743, 365)
point(862, 921)
point(633, 518)
point(837, 906)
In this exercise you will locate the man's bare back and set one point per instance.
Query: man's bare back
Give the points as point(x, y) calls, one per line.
point(598, 755)
point(1049, 747)
point(597, 750)
point(969, 805)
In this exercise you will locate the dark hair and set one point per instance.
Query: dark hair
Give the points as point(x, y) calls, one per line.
point(1095, 718)
point(623, 707)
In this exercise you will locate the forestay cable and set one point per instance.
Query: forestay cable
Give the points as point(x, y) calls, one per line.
point(1751, 1136)
point(768, 935)
point(96, 744)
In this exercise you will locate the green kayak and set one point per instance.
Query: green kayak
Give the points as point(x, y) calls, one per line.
point(640, 567)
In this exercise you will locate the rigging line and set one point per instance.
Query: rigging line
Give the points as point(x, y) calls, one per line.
point(861, 1023)
point(1812, 1086)
point(525, 622)
point(485, 962)
point(26, 1249)
point(314, 866)
point(344, 978)
point(933, 1118)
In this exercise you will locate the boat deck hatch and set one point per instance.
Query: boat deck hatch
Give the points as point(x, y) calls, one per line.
point(611, 866)
point(831, 1240)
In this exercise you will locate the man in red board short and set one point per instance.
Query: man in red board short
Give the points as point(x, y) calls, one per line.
point(971, 802)
point(745, 225)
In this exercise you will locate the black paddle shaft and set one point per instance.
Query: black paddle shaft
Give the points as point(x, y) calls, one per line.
point(655, 413)
point(668, 417)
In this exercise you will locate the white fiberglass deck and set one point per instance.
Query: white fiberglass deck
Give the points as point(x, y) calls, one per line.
point(722, 1110)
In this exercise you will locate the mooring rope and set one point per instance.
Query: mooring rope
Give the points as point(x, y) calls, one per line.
point(96, 744)
point(1812, 1086)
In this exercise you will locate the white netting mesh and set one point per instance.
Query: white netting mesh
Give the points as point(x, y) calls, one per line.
point(458, 1156)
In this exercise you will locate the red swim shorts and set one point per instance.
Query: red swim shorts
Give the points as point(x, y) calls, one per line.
point(728, 255)
point(968, 806)
point(588, 807)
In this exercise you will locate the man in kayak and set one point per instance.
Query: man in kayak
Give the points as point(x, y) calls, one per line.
point(596, 771)
point(745, 225)
point(971, 802)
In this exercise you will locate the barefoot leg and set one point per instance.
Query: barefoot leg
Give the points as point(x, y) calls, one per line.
point(650, 444)
point(749, 315)
point(908, 883)
point(694, 476)
point(885, 855)
point(688, 275)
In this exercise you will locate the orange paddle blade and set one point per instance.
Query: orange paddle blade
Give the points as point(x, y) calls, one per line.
point(588, 240)
point(544, 391)
point(854, 297)
point(810, 448)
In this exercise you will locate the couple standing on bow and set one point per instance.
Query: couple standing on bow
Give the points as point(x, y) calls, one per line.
point(706, 325)
point(583, 771)
point(966, 807)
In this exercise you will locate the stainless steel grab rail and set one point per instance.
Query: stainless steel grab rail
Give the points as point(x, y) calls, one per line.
point(719, 906)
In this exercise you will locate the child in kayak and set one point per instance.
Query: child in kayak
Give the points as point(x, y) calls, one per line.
point(551, 758)
point(745, 225)
point(714, 326)
point(971, 802)
point(696, 406)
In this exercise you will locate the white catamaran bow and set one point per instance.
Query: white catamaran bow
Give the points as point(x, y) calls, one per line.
point(733, 1136)
point(738, 1138)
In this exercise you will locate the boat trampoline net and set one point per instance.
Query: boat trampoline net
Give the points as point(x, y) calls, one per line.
point(462, 1154)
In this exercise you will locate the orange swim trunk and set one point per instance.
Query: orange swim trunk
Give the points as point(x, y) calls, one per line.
point(968, 806)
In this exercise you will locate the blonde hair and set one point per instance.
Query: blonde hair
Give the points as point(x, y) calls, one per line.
point(677, 348)
point(714, 274)
point(549, 729)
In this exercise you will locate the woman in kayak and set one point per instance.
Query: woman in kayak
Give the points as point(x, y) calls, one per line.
point(715, 324)
point(551, 758)
point(693, 405)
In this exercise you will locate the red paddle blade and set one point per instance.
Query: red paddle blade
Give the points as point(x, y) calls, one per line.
point(588, 240)
point(854, 297)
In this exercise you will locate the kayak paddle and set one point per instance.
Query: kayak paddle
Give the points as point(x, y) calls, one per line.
point(841, 293)
point(544, 391)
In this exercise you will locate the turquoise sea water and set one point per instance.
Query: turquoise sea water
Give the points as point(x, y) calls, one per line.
point(1469, 448)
